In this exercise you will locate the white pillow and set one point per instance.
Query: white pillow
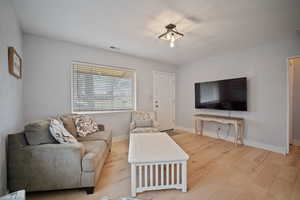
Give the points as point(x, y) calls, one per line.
point(59, 132)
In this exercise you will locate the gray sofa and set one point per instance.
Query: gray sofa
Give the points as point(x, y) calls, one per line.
point(53, 166)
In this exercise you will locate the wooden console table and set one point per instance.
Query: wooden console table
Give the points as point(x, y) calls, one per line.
point(238, 124)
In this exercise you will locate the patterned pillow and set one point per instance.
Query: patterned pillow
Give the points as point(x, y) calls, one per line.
point(85, 125)
point(59, 132)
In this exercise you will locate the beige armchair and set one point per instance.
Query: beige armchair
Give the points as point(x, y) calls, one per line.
point(143, 122)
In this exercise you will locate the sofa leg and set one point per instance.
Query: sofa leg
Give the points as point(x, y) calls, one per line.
point(90, 190)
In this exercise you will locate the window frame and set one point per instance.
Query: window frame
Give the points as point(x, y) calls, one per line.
point(108, 67)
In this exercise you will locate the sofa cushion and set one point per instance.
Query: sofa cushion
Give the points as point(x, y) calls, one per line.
point(94, 153)
point(145, 130)
point(69, 124)
point(143, 123)
point(85, 125)
point(99, 135)
point(59, 132)
point(38, 133)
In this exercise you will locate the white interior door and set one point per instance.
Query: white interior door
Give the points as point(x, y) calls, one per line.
point(164, 99)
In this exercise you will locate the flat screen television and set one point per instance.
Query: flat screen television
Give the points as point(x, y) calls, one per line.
point(230, 94)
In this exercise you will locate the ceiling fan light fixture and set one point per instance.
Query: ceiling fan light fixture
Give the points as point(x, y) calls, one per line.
point(171, 35)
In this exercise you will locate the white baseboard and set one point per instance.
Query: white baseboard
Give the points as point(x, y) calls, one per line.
point(120, 138)
point(276, 149)
point(296, 142)
point(191, 130)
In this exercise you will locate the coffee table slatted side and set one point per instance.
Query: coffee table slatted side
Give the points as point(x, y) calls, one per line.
point(159, 172)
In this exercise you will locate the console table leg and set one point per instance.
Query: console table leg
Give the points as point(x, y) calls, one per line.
point(236, 127)
point(201, 129)
point(195, 126)
point(242, 131)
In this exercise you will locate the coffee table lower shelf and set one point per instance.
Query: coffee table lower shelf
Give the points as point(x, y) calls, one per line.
point(157, 163)
point(158, 176)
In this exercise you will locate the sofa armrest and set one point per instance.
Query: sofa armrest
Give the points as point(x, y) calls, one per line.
point(44, 167)
point(132, 126)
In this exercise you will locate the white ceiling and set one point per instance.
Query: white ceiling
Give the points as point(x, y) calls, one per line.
point(210, 26)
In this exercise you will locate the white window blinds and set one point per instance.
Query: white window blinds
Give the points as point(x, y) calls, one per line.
point(97, 88)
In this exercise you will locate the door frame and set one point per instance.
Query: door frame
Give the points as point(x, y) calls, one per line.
point(173, 75)
point(290, 85)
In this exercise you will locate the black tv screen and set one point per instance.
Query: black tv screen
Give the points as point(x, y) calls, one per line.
point(230, 94)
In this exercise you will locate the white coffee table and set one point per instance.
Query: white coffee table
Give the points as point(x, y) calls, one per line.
point(157, 162)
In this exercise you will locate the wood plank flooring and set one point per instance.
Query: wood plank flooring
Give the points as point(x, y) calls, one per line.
point(217, 170)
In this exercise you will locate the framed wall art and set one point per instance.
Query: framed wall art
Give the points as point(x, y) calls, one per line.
point(14, 63)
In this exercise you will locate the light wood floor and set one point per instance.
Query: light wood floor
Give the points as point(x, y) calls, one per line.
point(217, 170)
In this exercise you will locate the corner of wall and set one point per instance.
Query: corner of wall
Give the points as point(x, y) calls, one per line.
point(11, 89)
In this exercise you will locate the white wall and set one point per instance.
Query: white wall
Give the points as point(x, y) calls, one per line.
point(11, 110)
point(296, 100)
point(266, 68)
point(47, 79)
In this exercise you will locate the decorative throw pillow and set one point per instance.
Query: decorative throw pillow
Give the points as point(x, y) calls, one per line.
point(143, 123)
point(69, 124)
point(59, 132)
point(85, 125)
point(37, 133)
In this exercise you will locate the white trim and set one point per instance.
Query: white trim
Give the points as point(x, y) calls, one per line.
point(291, 69)
point(135, 91)
point(276, 149)
point(296, 142)
point(120, 138)
point(191, 130)
point(287, 149)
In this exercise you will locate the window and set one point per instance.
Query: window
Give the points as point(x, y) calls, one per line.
point(99, 88)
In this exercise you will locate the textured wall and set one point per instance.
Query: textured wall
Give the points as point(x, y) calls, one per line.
point(47, 87)
point(11, 104)
point(265, 66)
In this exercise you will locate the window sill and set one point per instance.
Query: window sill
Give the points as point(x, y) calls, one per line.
point(103, 112)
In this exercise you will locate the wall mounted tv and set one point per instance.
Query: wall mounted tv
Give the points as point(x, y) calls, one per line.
point(230, 94)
